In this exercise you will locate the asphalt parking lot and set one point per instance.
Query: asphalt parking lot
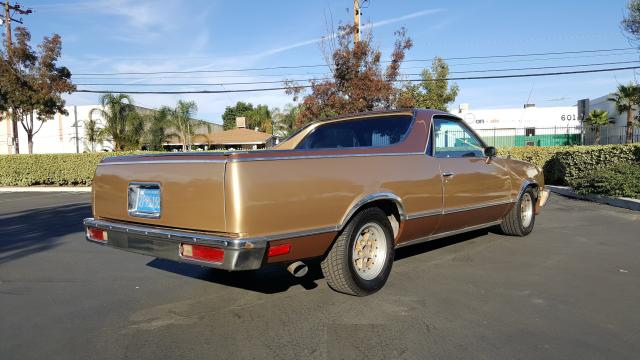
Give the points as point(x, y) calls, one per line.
point(569, 290)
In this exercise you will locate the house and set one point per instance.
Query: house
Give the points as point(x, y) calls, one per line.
point(239, 138)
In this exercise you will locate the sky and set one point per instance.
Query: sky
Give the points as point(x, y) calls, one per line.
point(106, 36)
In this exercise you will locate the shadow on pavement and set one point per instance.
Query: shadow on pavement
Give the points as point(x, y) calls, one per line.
point(32, 231)
point(270, 279)
point(425, 247)
point(274, 278)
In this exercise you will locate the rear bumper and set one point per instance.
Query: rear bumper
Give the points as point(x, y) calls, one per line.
point(164, 243)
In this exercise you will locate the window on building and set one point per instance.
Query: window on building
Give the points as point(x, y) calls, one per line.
point(366, 132)
point(455, 139)
point(530, 132)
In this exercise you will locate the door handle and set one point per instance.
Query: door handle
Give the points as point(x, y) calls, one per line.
point(447, 174)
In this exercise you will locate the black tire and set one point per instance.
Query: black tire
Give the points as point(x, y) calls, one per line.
point(339, 268)
point(512, 224)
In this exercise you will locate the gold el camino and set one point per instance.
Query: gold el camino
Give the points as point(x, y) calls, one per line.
point(348, 190)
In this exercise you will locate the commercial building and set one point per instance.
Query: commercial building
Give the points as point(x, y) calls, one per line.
point(525, 126)
point(66, 133)
point(614, 133)
point(57, 135)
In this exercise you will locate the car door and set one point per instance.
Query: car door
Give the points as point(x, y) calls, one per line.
point(476, 188)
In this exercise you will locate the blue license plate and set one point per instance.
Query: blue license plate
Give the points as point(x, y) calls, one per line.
point(148, 201)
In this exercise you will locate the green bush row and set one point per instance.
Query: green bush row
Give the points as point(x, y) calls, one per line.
point(564, 165)
point(561, 164)
point(619, 179)
point(50, 169)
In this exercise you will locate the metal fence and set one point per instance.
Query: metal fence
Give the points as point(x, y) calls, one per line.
point(554, 136)
point(609, 134)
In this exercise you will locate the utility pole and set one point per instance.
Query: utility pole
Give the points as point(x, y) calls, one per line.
point(356, 21)
point(8, 18)
point(76, 125)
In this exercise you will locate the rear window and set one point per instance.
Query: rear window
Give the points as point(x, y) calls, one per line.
point(368, 132)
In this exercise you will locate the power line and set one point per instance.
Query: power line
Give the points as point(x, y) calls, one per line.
point(326, 78)
point(544, 67)
point(453, 66)
point(529, 54)
point(325, 65)
point(308, 86)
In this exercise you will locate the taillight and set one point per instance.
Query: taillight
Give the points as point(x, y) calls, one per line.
point(96, 234)
point(202, 253)
point(281, 249)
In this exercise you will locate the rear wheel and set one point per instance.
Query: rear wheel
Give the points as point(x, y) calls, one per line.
point(521, 218)
point(360, 260)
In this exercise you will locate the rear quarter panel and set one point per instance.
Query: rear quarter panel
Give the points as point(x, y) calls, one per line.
point(281, 196)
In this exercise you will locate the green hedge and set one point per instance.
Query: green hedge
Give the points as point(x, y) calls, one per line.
point(563, 165)
point(619, 179)
point(51, 169)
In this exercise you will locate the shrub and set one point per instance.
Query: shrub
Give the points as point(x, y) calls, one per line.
point(563, 164)
point(570, 165)
point(50, 169)
point(619, 179)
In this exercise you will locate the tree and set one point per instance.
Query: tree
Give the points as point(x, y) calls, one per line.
point(3, 94)
point(596, 119)
point(17, 90)
point(231, 112)
point(48, 83)
point(181, 120)
point(260, 117)
point(631, 21)
point(284, 120)
point(122, 124)
point(34, 83)
point(158, 122)
point(626, 98)
point(93, 134)
point(256, 117)
point(358, 82)
point(433, 92)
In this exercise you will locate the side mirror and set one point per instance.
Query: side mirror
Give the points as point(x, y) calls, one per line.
point(490, 151)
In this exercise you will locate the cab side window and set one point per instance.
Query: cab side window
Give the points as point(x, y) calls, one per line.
point(365, 132)
point(453, 139)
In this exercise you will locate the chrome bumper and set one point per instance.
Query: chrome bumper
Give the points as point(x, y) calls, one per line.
point(543, 196)
point(164, 243)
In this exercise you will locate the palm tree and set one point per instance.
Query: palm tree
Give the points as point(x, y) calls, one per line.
point(626, 98)
point(284, 121)
point(597, 118)
point(158, 124)
point(180, 118)
point(119, 116)
point(93, 133)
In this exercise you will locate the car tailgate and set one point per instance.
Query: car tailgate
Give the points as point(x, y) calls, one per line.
point(191, 192)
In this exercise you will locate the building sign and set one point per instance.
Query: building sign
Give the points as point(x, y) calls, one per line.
point(538, 117)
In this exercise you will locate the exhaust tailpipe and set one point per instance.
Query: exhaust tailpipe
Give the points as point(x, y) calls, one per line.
point(298, 269)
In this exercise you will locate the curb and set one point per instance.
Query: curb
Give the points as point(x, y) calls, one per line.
point(12, 189)
point(626, 203)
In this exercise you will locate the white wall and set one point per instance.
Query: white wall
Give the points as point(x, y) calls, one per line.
point(536, 117)
point(57, 135)
point(603, 103)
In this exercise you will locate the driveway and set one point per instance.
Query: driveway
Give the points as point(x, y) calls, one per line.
point(569, 290)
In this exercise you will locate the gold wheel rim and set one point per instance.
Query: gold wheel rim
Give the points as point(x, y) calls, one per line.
point(369, 251)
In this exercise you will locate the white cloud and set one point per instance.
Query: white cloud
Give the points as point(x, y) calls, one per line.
point(144, 19)
point(368, 26)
